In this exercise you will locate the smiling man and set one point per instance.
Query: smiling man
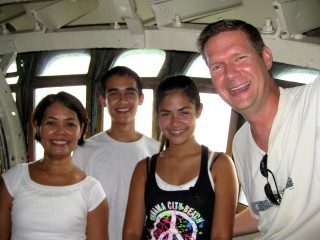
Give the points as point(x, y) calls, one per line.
point(112, 155)
point(277, 150)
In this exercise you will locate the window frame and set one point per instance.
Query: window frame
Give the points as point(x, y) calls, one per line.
point(37, 82)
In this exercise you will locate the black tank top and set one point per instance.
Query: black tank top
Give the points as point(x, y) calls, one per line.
point(183, 214)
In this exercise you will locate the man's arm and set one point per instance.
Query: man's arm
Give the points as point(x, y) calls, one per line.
point(244, 224)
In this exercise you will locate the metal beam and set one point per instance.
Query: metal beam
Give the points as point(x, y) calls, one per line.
point(126, 10)
point(300, 52)
point(297, 16)
point(10, 12)
point(60, 13)
point(166, 10)
point(12, 137)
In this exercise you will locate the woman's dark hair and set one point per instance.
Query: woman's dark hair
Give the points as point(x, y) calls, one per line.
point(67, 100)
point(174, 84)
point(119, 71)
point(225, 25)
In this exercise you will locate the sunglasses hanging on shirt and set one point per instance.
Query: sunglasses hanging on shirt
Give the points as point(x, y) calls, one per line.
point(273, 198)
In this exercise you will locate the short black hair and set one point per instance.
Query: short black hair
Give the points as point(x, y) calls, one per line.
point(120, 71)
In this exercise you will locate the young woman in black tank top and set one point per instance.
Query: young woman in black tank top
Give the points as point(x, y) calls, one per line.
point(179, 194)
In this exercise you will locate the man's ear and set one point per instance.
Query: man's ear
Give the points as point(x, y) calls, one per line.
point(141, 99)
point(267, 56)
point(102, 101)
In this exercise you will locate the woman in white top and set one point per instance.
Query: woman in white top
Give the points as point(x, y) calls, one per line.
point(51, 198)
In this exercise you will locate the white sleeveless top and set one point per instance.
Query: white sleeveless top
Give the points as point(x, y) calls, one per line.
point(169, 187)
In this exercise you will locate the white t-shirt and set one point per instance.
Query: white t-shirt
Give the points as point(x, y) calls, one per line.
point(112, 163)
point(294, 158)
point(48, 212)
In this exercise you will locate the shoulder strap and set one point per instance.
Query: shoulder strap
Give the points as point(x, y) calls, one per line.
point(151, 163)
point(215, 158)
point(147, 164)
point(204, 158)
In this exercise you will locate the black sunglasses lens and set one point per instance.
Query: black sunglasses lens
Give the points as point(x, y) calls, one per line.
point(269, 194)
point(263, 166)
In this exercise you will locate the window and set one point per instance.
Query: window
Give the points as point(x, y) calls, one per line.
point(56, 63)
point(213, 125)
point(145, 62)
point(293, 73)
point(198, 68)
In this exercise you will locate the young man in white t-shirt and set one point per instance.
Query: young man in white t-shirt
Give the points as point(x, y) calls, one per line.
point(111, 156)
